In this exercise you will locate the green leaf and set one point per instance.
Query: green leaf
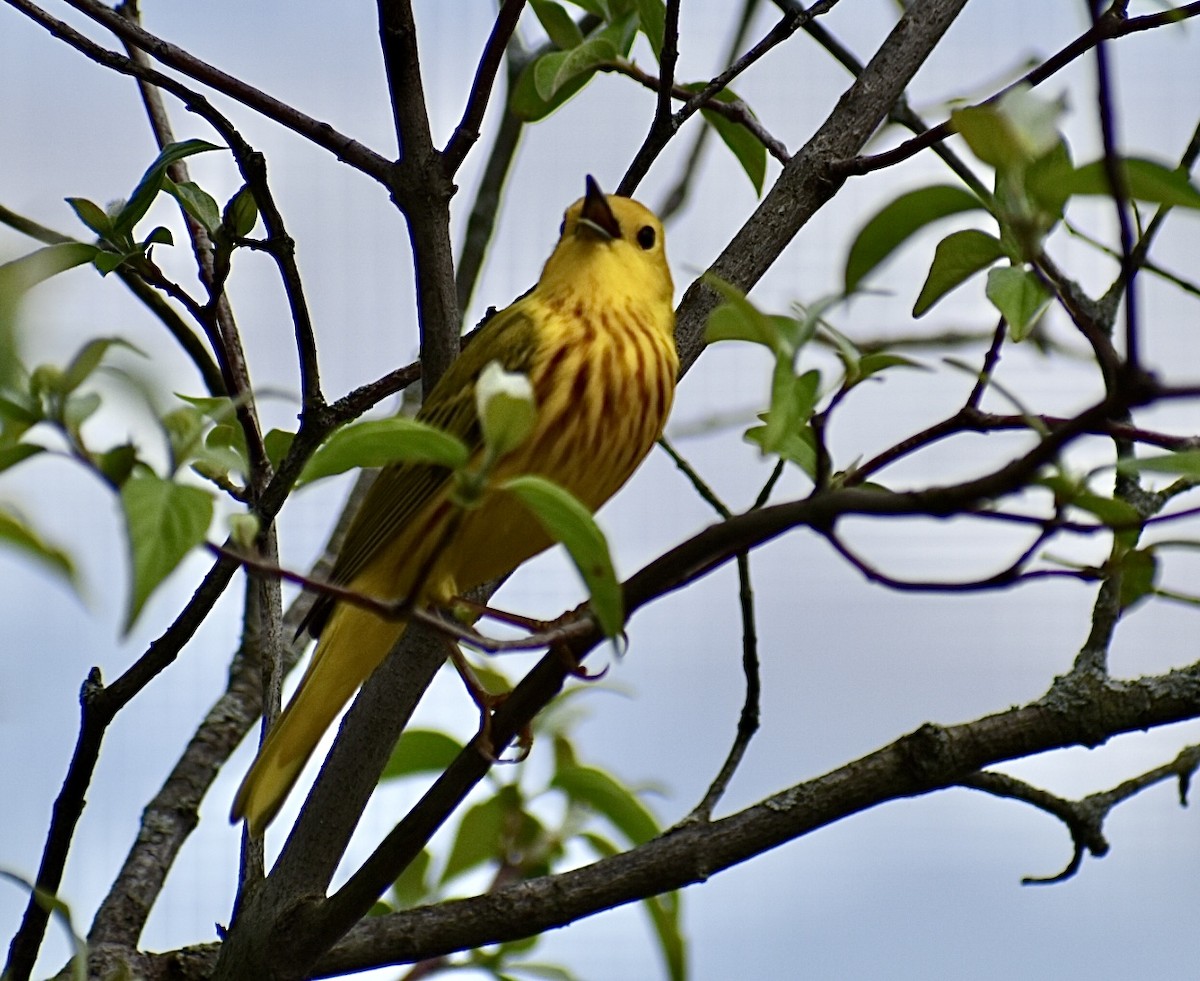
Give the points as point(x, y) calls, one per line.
point(241, 213)
point(608, 797)
point(164, 521)
point(78, 408)
point(117, 464)
point(225, 447)
point(421, 751)
point(1145, 180)
point(543, 972)
point(958, 257)
point(106, 262)
point(1185, 463)
point(46, 381)
point(479, 837)
point(217, 408)
point(566, 520)
point(799, 448)
point(898, 221)
point(152, 182)
point(1119, 515)
point(872, 364)
point(92, 215)
point(556, 69)
point(1019, 296)
point(1046, 182)
point(737, 319)
point(986, 134)
point(744, 145)
point(747, 148)
point(622, 28)
point(16, 534)
point(494, 681)
point(78, 966)
point(1115, 513)
point(412, 886)
point(792, 402)
point(1013, 131)
point(159, 236)
point(525, 102)
point(664, 913)
point(1139, 571)
point(378, 442)
point(197, 202)
point(652, 16)
point(600, 845)
point(21, 275)
point(599, 8)
point(244, 529)
point(558, 24)
point(506, 409)
point(23, 415)
point(734, 322)
point(277, 443)
point(183, 427)
point(88, 360)
point(10, 456)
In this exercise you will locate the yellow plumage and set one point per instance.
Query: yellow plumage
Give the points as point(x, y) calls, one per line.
point(595, 337)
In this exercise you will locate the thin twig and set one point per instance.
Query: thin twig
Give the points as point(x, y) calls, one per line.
point(1085, 818)
point(482, 220)
point(467, 131)
point(1117, 187)
point(320, 133)
point(674, 199)
point(990, 360)
point(660, 134)
point(1110, 26)
point(68, 808)
point(735, 110)
point(225, 335)
point(150, 298)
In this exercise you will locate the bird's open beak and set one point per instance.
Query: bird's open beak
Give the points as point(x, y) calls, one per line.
point(596, 215)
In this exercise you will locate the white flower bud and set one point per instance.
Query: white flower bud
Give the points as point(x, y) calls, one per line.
point(506, 406)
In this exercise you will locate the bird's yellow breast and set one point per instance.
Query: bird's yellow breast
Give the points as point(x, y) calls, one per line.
point(603, 376)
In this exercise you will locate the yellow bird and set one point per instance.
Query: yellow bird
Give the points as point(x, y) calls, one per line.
point(596, 339)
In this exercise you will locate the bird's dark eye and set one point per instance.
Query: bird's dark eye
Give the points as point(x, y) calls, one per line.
point(645, 237)
point(562, 228)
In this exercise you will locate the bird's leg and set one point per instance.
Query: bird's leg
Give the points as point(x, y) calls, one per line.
point(478, 610)
point(573, 666)
point(487, 702)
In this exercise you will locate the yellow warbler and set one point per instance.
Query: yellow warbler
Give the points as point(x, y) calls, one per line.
point(595, 337)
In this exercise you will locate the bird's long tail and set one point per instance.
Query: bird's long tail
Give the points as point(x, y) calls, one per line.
point(353, 643)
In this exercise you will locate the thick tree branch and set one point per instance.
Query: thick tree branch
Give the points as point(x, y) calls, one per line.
point(421, 189)
point(807, 183)
point(1075, 711)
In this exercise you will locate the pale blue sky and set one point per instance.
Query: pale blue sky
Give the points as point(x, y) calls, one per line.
point(921, 889)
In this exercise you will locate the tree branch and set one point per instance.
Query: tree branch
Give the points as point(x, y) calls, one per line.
point(422, 190)
point(1113, 24)
point(807, 182)
point(467, 131)
point(192, 346)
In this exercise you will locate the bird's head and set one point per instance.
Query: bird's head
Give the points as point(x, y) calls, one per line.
point(615, 244)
